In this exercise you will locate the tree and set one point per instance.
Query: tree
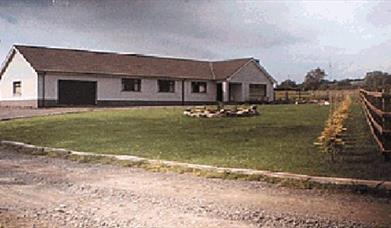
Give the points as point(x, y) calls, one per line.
point(377, 80)
point(287, 84)
point(314, 79)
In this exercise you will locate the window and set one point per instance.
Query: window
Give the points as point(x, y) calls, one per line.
point(198, 87)
point(132, 85)
point(166, 86)
point(17, 88)
point(257, 92)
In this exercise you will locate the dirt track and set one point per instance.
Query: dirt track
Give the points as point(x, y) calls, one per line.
point(59, 193)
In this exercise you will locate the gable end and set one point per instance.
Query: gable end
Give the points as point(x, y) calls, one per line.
point(256, 67)
point(7, 61)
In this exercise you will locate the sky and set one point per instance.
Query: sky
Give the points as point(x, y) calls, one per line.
point(345, 38)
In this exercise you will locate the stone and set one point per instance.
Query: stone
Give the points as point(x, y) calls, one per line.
point(59, 210)
point(221, 112)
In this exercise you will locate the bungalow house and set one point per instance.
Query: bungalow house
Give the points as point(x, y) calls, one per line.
point(34, 76)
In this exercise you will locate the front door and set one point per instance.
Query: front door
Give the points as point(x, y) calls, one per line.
point(219, 90)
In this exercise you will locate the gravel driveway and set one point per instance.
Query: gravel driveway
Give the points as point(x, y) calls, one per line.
point(14, 113)
point(48, 192)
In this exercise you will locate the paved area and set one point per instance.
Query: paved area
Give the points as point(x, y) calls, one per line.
point(47, 192)
point(13, 113)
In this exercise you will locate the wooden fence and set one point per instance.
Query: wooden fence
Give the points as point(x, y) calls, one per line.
point(291, 95)
point(297, 95)
point(377, 109)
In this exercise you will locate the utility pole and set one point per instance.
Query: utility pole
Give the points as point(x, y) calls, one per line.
point(330, 70)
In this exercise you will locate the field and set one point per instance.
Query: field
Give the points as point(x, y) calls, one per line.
point(280, 139)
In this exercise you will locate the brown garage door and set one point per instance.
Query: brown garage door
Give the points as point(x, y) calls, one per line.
point(257, 92)
point(75, 92)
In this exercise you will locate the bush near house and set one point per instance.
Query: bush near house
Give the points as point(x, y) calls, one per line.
point(281, 138)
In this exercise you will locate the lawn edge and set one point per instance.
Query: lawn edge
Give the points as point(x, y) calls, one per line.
point(377, 187)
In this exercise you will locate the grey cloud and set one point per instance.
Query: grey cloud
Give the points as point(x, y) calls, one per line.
point(187, 19)
point(29, 3)
point(8, 18)
point(280, 34)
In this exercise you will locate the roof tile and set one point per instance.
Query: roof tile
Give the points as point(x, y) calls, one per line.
point(89, 62)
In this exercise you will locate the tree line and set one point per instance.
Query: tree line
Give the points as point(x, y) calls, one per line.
point(316, 80)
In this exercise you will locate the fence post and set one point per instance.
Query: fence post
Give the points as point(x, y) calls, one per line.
point(386, 122)
point(386, 107)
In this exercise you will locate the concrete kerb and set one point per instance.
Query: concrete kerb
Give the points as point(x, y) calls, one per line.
point(284, 178)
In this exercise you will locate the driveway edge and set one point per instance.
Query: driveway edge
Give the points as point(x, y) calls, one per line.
point(283, 178)
point(55, 113)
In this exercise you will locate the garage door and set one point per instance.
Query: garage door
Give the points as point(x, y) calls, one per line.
point(257, 92)
point(74, 92)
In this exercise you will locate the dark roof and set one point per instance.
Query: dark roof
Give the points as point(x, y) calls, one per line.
point(224, 69)
point(45, 59)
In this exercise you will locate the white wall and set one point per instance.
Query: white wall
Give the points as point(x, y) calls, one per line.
point(210, 94)
point(19, 70)
point(109, 89)
point(251, 74)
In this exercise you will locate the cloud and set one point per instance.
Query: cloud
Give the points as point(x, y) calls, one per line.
point(8, 18)
point(213, 21)
point(290, 38)
point(380, 15)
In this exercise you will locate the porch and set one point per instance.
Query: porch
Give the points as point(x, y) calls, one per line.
point(236, 92)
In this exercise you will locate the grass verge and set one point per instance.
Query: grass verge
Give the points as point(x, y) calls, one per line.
point(280, 139)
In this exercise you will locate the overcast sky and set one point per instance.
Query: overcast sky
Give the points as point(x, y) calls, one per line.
point(346, 38)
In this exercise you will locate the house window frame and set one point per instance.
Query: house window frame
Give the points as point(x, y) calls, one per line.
point(17, 90)
point(136, 81)
point(171, 86)
point(193, 83)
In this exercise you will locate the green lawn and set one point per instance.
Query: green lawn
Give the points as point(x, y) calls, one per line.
point(360, 157)
point(280, 139)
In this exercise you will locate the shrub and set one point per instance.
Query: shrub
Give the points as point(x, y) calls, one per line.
point(330, 139)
